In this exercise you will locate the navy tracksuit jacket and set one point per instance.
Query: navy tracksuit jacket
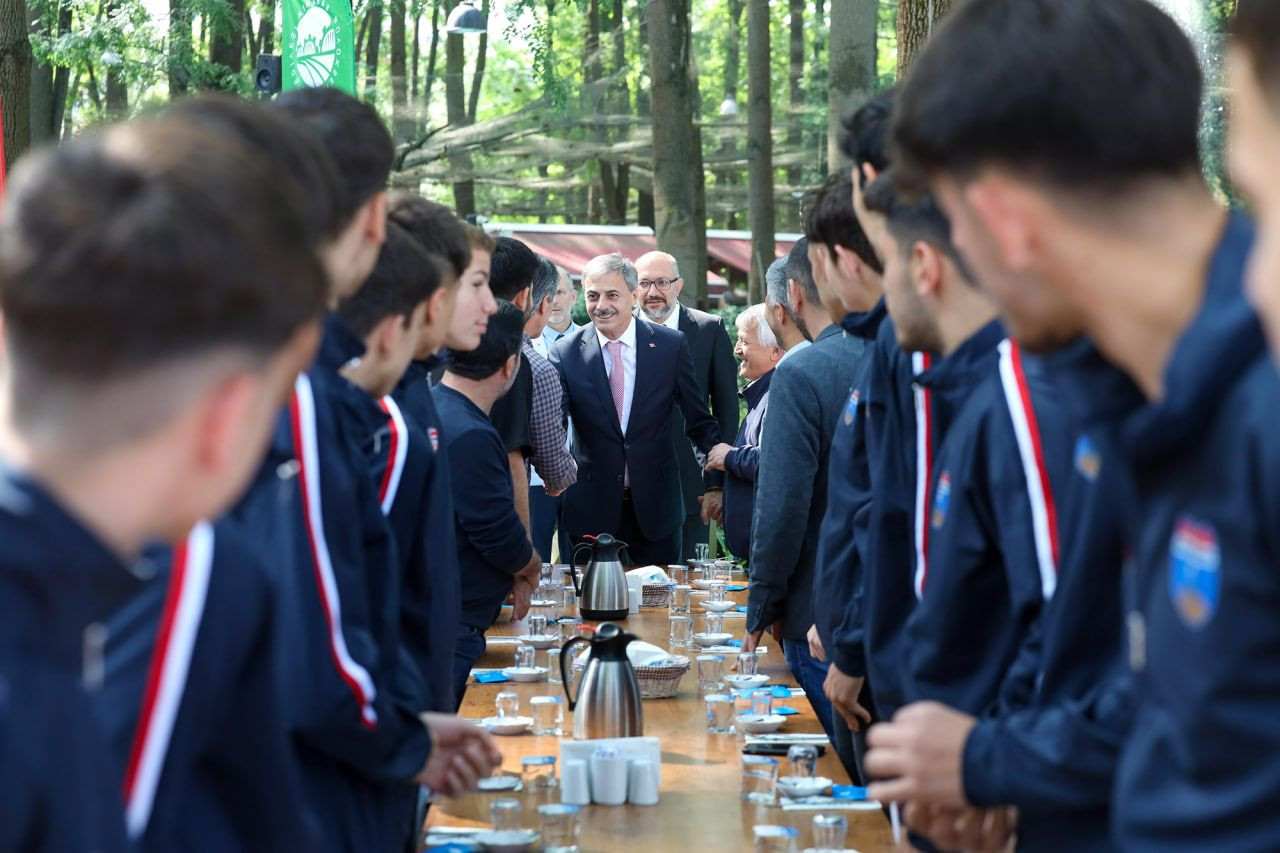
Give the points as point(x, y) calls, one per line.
point(193, 703)
point(58, 584)
point(316, 510)
point(441, 584)
point(1199, 771)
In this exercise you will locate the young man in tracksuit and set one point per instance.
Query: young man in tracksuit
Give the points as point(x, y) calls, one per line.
point(1161, 299)
point(96, 232)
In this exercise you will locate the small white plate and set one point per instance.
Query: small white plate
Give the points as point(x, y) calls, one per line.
point(508, 840)
point(718, 606)
point(799, 787)
point(526, 673)
point(704, 639)
point(540, 641)
point(508, 725)
point(746, 682)
point(498, 783)
point(756, 724)
point(705, 584)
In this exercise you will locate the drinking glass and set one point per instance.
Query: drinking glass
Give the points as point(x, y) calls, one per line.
point(524, 655)
point(775, 839)
point(716, 592)
point(507, 703)
point(722, 570)
point(681, 598)
point(548, 715)
point(538, 773)
point(545, 573)
point(537, 626)
point(760, 779)
point(701, 550)
point(748, 663)
point(559, 827)
point(710, 673)
point(762, 703)
point(679, 575)
point(802, 760)
point(720, 714)
point(553, 666)
point(715, 623)
point(505, 814)
point(829, 831)
point(681, 632)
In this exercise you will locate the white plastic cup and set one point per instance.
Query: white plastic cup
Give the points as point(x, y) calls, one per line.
point(642, 783)
point(575, 787)
point(608, 777)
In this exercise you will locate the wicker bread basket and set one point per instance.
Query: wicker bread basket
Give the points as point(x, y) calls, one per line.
point(655, 595)
point(656, 682)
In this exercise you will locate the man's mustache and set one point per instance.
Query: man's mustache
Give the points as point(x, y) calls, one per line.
point(604, 313)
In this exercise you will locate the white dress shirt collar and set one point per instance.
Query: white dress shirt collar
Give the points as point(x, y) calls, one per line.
point(628, 337)
point(673, 319)
point(795, 349)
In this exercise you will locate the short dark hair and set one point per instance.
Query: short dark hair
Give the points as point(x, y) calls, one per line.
point(866, 134)
point(1091, 95)
point(513, 267)
point(545, 281)
point(434, 227)
point(354, 135)
point(479, 238)
point(499, 342)
point(832, 221)
point(127, 249)
point(918, 218)
point(800, 271)
point(405, 276)
point(1257, 30)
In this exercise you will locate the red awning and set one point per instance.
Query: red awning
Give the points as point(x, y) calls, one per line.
point(736, 252)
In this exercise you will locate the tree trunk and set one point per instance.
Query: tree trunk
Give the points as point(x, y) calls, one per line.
point(180, 52)
point(455, 61)
point(371, 52)
point(226, 44)
point(400, 127)
point(916, 22)
point(795, 118)
point(852, 68)
point(644, 199)
point(732, 176)
point(41, 87)
point(415, 54)
point(615, 178)
point(760, 212)
point(15, 79)
point(267, 28)
point(477, 76)
point(431, 61)
point(675, 154)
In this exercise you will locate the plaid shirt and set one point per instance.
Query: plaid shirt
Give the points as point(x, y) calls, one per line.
point(551, 458)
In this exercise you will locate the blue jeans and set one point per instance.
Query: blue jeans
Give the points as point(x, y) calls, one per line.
point(470, 648)
point(810, 674)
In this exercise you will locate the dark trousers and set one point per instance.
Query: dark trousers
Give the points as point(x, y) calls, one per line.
point(641, 551)
point(470, 648)
point(810, 673)
point(544, 518)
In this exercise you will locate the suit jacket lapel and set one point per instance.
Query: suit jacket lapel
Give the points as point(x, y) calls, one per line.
point(646, 356)
point(593, 360)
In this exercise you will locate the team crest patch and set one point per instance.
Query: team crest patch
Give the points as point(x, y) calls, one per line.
point(851, 407)
point(1088, 459)
point(941, 500)
point(1195, 569)
point(434, 435)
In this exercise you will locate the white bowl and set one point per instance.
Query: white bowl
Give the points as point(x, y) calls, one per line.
point(498, 783)
point(540, 641)
point(799, 787)
point(746, 682)
point(526, 673)
point(758, 724)
point(508, 840)
point(718, 606)
point(706, 584)
point(508, 725)
point(705, 640)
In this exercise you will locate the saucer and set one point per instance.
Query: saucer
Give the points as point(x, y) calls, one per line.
point(704, 639)
point(539, 641)
point(756, 724)
point(706, 584)
point(746, 682)
point(508, 840)
point(526, 673)
point(508, 725)
point(499, 783)
point(718, 606)
point(799, 787)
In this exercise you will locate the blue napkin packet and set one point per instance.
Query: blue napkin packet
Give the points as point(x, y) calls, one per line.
point(735, 587)
point(784, 710)
point(489, 677)
point(741, 608)
point(781, 691)
point(848, 792)
point(737, 644)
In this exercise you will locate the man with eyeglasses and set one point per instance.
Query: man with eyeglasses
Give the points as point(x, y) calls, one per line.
point(658, 301)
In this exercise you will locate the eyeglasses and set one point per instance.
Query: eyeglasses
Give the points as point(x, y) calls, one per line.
point(663, 284)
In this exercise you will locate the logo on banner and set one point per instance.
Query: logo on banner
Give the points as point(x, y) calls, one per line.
point(851, 407)
point(1195, 572)
point(1088, 459)
point(941, 500)
point(315, 48)
point(434, 435)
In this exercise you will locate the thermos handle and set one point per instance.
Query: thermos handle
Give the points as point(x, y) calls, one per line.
point(566, 660)
point(573, 565)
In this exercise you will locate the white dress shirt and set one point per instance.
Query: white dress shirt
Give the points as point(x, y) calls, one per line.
point(673, 319)
point(628, 340)
point(542, 343)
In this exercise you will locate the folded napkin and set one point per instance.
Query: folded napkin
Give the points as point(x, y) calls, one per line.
point(741, 608)
point(848, 792)
point(649, 574)
point(735, 587)
point(489, 677)
point(784, 710)
point(781, 692)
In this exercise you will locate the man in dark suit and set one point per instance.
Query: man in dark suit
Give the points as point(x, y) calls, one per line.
point(713, 367)
point(623, 378)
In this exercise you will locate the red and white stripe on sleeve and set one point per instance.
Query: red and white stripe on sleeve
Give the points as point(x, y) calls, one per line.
point(920, 362)
point(395, 455)
point(303, 418)
point(167, 674)
point(1044, 516)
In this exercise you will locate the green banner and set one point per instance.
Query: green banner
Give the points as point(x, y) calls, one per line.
point(319, 44)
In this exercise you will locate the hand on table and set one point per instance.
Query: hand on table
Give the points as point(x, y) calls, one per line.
point(712, 504)
point(920, 755)
point(815, 645)
point(715, 458)
point(461, 754)
point(976, 830)
point(843, 691)
point(751, 640)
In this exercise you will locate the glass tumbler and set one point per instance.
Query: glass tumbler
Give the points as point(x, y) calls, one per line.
point(762, 703)
point(775, 839)
point(701, 550)
point(505, 814)
point(524, 656)
point(715, 623)
point(507, 704)
point(748, 663)
point(679, 575)
point(760, 779)
point(716, 591)
point(720, 714)
point(537, 626)
point(802, 760)
point(710, 673)
point(682, 598)
point(829, 831)
point(680, 633)
point(538, 773)
point(559, 827)
point(548, 715)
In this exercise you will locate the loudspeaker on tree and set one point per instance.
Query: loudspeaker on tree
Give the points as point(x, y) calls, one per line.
point(269, 76)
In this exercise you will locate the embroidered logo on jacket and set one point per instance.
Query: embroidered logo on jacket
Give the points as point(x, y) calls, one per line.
point(851, 407)
point(941, 500)
point(1088, 459)
point(1195, 568)
point(434, 435)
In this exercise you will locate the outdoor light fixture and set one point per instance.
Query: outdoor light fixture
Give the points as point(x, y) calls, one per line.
point(729, 107)
point(465, 19)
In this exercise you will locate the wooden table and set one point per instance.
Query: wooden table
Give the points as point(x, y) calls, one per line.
point(700, 809)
